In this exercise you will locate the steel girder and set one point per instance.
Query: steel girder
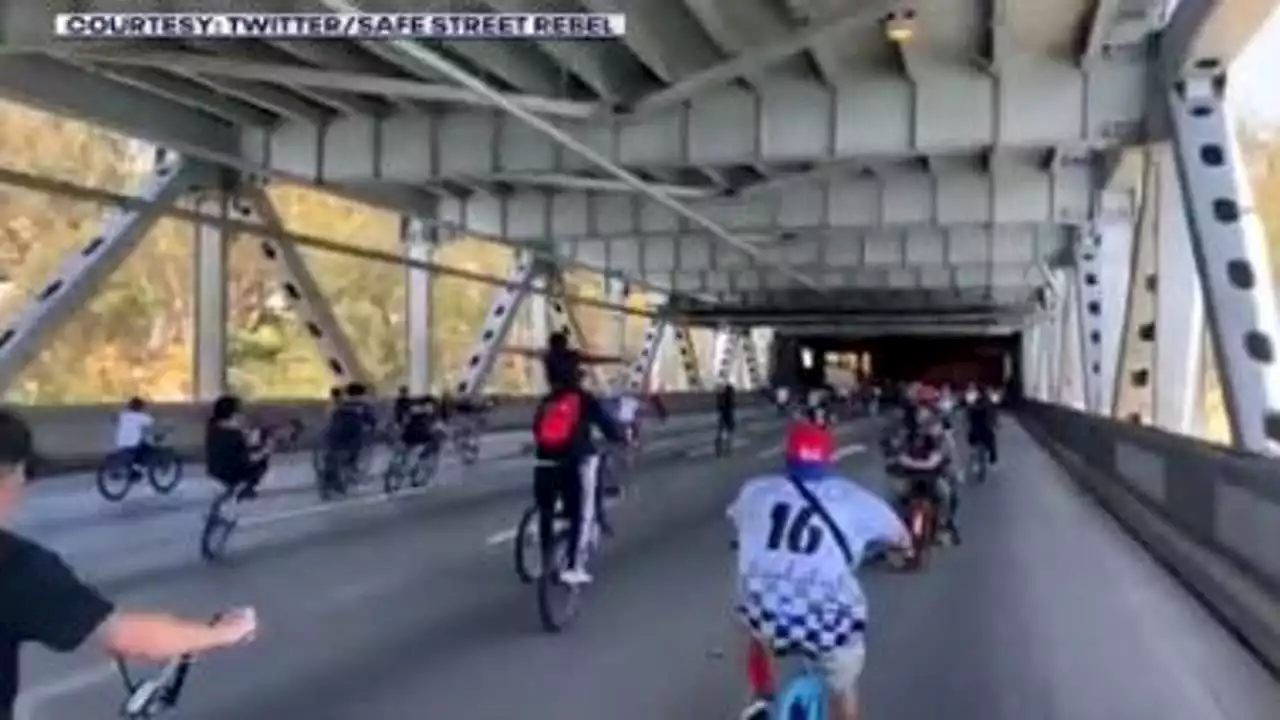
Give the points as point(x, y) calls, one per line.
point(724, 354)
point(83, 272)
point(786, 121)
point(209, 346)
point(301, 290)
point(1230, 251)
point(503, 310)
point(565, 320)
point(646, 363)
point(689, 358)
point(421, 243)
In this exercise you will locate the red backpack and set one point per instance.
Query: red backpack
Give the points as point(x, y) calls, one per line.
point(558, 422)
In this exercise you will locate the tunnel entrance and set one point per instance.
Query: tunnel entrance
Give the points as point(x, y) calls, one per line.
point(959, 360)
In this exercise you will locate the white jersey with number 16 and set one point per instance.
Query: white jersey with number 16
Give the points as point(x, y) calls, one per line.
point(787, 556)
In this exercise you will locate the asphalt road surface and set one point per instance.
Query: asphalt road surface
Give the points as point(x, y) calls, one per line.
point(410, 609)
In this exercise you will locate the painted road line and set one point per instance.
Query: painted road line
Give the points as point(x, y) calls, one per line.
point(847, 450)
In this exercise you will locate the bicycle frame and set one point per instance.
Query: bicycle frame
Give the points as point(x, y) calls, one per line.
point(806, 691)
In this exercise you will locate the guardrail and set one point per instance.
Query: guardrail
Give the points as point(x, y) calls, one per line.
point(1209, 513)
point(77, 437)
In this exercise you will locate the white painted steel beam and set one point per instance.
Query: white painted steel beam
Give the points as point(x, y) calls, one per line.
point(421, 242)
point(645, 364)
point(1180, 320)
point(503, 310)
point(1017, 194)
point(1039, 105)
point(724, 354)
point(301, 290)
point(689, 358)
point(1135, 377)
point(1231, 255)
point(1210, 34)
point(564, 319)
point(209, 324)
point(1091, 313)
point(83, 271)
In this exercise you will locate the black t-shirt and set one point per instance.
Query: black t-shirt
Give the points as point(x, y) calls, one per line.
point(41, 601)
point(419, 423)
point(226, 451)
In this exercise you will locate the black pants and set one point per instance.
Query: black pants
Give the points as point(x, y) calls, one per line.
point(246, 484)
point(558, 485)
point(985, 440)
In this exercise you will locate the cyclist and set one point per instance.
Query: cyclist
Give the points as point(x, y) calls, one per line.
point(135, 428)
point(926, 463)
point(232, 457)
point(801, 535)
point(568, 462)
point(349, 426)
point(400, 408)
point(42, 600)
point(726, 405)
point(627, 413)
point(420, 428)
point(982, 427)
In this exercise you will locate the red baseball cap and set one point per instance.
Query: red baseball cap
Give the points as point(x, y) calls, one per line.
point(809, 451)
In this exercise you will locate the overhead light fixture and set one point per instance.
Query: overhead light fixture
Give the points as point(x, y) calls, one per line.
point(900, 26)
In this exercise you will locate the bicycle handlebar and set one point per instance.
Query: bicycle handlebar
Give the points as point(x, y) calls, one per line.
point(147, 698)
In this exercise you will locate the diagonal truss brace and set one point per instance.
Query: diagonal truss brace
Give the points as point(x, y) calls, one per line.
point(1090, 315)
point(301, 289)
point(1134, 381)
point(1230, 251)
point(751, 355)
point(642, 370)
point(688, 358)
point(83, 272)
point(503, 310)
point(565, 320)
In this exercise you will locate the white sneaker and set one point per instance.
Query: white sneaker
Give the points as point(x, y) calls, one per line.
point(759, 709)
point(575, 576)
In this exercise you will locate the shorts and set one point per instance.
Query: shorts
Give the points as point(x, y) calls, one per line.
point(838, 646)
point(842, 667)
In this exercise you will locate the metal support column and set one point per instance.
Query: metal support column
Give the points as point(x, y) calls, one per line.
point(421, 241)
point(83, 271)
point(1231, 257)
point(724, 354)
point(301, 289)
point(617, 290)
point(689, 358)
point(1134, 382)
point(655, 336)
point(503, 310)
point(565, 320)
point(1090, 315)
point(209, 324)
point(1180, 322)
point(751, 357)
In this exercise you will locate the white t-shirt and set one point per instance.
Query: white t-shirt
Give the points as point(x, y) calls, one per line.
point(132, 428)
point(788, 561)
point(628, 408)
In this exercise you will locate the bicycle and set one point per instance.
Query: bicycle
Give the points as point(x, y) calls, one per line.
point(118, 473)
point(724, 439)
point(803, 697)
point(466, 443)
point(417, 463)
point(219, 523)
point(149, 698)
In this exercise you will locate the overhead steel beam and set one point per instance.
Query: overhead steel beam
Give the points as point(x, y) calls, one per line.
point(450, 70)
point(278, 101)
point(758, 60)
point(300, 75)
point(591, 185)
point(503, 310)
point(664, 36)
point(1207, 35)
point(785, 122)
point(1101, 20)
point(1016, 195)
point(854, 331)
point(59, 88)
point(185, 93)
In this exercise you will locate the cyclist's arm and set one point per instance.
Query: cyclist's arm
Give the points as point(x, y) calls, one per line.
point(603, 421)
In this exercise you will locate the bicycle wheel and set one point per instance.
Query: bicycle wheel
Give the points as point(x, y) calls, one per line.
point(165, 471)
point(398, 467)
point(804, 698)
point(219, 524)
point(113, 477)
point(528, 556)
point(558, 601)
point(426, 467)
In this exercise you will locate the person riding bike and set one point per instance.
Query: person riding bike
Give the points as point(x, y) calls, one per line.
point(726, 405)
point(982, 418)
point(349, 426)
point(400, 408)
point(566, 471)
point(627, 412)
point(235, 456)
point(801, 535)
point(420, 428)
point(135, 435)
point(926, 464)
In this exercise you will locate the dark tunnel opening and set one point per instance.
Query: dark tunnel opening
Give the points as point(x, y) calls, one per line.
point(812, 361)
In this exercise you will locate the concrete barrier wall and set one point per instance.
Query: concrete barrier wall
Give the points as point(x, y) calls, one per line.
point(1210, 514)
point(70, 438)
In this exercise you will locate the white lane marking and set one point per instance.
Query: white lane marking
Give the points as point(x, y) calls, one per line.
point(30, 700)
point(505, 536)
point(770, 452)
point(848, 450)
point(321, 508)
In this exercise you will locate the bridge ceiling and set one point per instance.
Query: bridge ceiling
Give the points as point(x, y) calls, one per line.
point(944, 173)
